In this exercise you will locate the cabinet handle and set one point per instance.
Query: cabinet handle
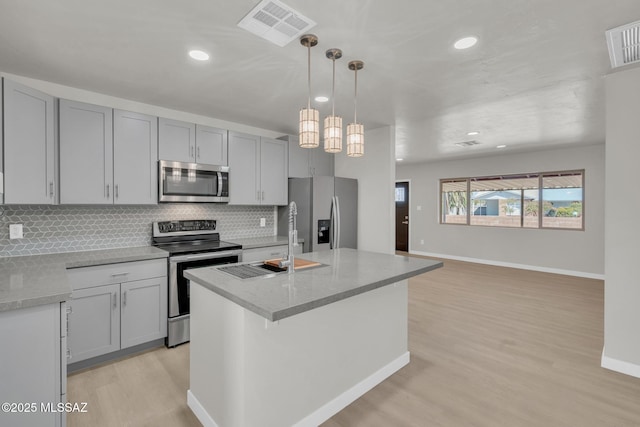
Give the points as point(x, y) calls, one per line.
point(115, 300)
point(257, 195)
point(262, 195)
point(117, 190)
point(198, 152)
point(191, 154)
point(124, 299)
point(107, 191)
point(119, 274)
point(51, 189)
point(69, 353)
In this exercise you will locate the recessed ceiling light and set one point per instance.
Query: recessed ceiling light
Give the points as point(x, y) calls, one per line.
point(501, 146)
point(465, 43)
point(473, 133)
point(399, 160)
point(321, 99)
point(199, 55)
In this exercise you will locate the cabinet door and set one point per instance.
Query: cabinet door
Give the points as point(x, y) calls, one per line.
point(176, 140)
point(321, 163)
point(273, 171)
point(29, 146)
point(144, 311)
point(30, 370)
point(135, 158)
point(86, 153)
point(244, 169)
point(298, 159)
point(211, 145)
point(94, 322)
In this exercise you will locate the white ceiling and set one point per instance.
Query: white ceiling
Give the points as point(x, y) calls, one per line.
point(534, 80)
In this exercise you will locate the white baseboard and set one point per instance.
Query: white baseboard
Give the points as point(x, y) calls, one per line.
point(334, 406)
point(513, 265)
point(620, 366)
point(201, 414)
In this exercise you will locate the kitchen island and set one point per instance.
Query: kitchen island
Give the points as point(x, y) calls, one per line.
point(294, 349)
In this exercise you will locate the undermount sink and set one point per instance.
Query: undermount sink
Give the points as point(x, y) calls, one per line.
point(247, 271)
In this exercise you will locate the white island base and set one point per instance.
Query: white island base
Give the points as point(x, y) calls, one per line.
point(298, 371)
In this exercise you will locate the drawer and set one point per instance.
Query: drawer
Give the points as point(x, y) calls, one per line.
point(88, 277)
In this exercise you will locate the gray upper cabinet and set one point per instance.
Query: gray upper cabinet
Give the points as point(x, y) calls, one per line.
point(273, 172)
point(211, 145)
point(29, 146)
point(176, 140)
point(107, 156)
point(135, 158)
point(187, 142)
point(86, 153)
point(244, 169)
point(305, 162)
point(258, 170)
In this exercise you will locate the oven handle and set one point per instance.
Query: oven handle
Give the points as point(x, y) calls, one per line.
point(207, 255)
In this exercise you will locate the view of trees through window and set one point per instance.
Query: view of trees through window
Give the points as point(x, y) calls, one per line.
point(539, 200)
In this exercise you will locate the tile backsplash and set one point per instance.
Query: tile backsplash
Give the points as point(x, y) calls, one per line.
point(50, 229)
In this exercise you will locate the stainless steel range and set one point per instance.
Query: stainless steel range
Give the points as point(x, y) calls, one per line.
point(191, 244)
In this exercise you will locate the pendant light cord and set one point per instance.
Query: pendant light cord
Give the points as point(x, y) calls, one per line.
point(333, 89)
point(355, 100)
point(309, 75)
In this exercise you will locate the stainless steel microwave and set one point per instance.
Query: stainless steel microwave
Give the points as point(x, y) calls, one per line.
point(192, 182)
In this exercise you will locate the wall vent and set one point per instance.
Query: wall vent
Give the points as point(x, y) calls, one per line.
point(275, 21)
point(467, 143)
point(624, 44)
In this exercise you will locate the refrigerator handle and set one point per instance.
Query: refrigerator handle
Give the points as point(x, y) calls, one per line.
point(331, 223)
point(337, 221)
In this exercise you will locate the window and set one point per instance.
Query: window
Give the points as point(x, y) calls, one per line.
point(535, 200)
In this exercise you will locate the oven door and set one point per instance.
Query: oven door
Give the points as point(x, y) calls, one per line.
point(179, 287)
point(192, 182)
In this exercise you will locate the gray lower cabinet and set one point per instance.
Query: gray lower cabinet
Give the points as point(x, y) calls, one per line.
point(268, 252)
point(258, 170)
point(29, 146)
point(116, 306)
point(33, 371)
point(107, 156)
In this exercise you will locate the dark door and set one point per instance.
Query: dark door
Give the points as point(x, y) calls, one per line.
point(402, 216)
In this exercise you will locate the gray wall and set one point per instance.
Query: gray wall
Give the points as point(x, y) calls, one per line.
point(50, 229)
point(622, 247)
point(375, 172)
point(575, 252)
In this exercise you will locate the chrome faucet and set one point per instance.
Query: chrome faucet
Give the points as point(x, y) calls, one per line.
point(293, 238)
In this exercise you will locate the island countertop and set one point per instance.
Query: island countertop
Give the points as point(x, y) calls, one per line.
point(344, 273)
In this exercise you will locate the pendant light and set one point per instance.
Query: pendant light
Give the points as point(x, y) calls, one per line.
point(333, 123)
point(309, 117)
point(355, 131)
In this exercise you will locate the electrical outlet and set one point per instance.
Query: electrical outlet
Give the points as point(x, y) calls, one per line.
point(15, 231)
point(263, 222)
point(422, 241)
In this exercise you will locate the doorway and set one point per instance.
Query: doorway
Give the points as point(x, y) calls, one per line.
point(402, 216)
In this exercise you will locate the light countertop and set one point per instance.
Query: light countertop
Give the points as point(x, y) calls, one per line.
point(28, 281)
point(345, 273)
point(262, 242)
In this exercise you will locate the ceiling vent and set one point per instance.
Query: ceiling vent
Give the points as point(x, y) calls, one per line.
point(624, 44)
point(467, 143)
point(275, 21)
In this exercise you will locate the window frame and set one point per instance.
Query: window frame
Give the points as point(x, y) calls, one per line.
point(540, 177)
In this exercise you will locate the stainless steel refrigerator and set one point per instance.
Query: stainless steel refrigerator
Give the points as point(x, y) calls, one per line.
point(327, 212)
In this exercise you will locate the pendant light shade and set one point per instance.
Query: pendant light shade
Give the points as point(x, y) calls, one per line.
point(309, 127)
point(355, 131)
point(333, 123)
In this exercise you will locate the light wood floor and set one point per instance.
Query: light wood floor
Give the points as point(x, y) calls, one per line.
point(490, 346)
